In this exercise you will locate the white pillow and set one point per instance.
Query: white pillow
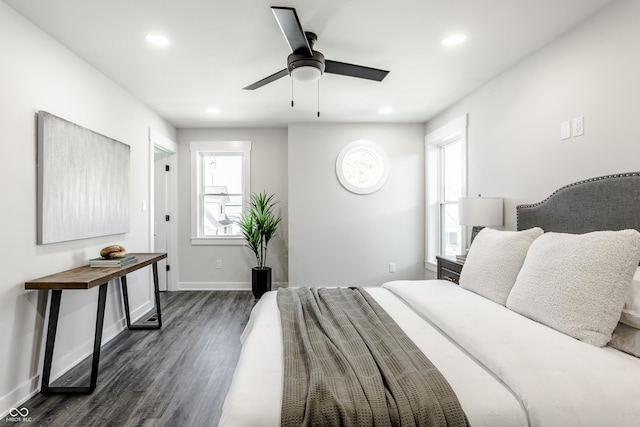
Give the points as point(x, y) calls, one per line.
point(627, 339)
point(577, 283)
point(494, 260)
point(631, 311)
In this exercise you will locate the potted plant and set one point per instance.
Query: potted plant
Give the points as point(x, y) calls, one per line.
point(259, 224)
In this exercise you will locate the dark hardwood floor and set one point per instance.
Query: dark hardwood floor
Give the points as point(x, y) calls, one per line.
point(175, 376)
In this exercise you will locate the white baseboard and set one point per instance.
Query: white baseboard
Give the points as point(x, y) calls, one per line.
point(17, 397)
point(84, 350)
point(214, 286)
point(140, 311)
point(222, 286)
point(63, 364)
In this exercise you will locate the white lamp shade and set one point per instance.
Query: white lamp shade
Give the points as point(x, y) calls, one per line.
point(480, 211)
point(306, 74)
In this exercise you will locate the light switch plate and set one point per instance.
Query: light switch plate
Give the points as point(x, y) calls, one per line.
point(565, 130)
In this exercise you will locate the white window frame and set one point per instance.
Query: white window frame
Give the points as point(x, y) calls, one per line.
point(227, 147)
point(455, 130)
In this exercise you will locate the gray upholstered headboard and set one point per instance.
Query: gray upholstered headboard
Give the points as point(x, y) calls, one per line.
point(609, 202)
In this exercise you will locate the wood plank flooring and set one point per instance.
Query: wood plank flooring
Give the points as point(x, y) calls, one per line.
point(175, 376)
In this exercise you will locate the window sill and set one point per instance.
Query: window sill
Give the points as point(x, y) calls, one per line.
point(217, 241)
point(430, 266)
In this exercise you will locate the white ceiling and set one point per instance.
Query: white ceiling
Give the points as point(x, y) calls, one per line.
point(218, 47)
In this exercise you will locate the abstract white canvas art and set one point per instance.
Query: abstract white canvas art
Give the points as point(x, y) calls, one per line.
point(83, 182)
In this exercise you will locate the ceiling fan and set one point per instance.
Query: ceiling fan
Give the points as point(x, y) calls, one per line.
point(305, 64)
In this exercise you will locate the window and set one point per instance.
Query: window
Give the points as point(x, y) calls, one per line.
point(446, 182)
point(451, 183)
point(362, 167)
point(219, 188)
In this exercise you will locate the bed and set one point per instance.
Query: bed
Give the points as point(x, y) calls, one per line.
point(526, 338)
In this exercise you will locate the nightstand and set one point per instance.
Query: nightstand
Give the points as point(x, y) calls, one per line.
point(449, 268)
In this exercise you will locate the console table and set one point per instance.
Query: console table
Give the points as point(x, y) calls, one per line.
point(87, 277)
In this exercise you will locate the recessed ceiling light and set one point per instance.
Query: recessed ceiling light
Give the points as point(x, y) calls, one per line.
point(385, 110)
point(157, 40)
point(213, 110)
point(454, 40)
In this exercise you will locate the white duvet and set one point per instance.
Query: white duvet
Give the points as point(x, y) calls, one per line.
point(505, 369)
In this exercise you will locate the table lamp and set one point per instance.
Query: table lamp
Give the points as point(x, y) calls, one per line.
point(480, 212)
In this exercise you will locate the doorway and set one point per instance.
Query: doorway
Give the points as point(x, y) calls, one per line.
point(161, 211)
point(163, 186)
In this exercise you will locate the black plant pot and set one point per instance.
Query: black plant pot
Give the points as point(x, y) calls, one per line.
point(260, 281)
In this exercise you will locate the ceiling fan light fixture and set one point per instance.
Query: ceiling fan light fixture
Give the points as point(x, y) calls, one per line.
point(305, 69)
point(306, 74)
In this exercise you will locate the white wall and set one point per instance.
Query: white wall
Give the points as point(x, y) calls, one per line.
point(268, 172)
point(340, 238)
point(37, 73)
point(514, 146)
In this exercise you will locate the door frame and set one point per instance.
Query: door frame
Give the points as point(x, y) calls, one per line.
point(158, 140)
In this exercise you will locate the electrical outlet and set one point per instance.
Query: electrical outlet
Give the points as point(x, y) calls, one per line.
point(219, 263)
point(577, 126)
point(392, 267)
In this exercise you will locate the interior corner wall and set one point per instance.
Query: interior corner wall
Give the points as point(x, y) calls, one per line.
point(514, 146)
point(340, 238)
point(38, 73)
point(197, 264)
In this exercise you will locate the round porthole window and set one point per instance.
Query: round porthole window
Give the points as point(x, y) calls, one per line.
point(362, 167)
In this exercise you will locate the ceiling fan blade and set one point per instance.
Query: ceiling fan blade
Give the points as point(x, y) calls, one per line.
point(267, 80)
point(351, 70)
point(292, 29)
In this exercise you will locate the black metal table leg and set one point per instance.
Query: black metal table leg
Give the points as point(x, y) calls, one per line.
point(156, 287)
point(54, 312)
point(97, 341)
point(125, 297)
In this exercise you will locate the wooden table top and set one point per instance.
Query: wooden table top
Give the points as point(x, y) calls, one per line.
point(87, 277)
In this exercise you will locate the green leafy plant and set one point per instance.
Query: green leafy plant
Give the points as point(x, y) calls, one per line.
point(259, 224)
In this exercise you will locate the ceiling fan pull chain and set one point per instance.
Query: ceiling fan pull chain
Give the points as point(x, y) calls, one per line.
point(318, 97)
point(291, 93)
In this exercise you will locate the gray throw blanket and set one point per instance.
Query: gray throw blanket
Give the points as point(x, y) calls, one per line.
point(347, 363)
